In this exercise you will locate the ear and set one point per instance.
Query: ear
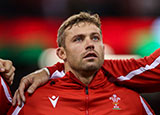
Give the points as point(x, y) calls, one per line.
point(61, 53)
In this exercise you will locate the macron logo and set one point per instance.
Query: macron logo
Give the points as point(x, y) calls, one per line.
point(53, 100)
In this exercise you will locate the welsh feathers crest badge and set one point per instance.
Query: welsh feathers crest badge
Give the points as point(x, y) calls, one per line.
point(115, 100)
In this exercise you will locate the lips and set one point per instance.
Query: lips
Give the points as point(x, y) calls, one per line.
point(88, 55)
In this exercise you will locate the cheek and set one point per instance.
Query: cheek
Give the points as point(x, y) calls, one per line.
point(101, 49)
point(101, 52)
point(73, 53)
point(76, 48)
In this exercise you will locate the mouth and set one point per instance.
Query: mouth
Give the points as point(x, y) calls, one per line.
point(90, 55)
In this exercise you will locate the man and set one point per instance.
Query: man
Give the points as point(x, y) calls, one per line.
point(85, 83)
point(7, 72)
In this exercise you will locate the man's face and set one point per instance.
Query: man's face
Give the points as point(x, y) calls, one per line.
point(84, 47)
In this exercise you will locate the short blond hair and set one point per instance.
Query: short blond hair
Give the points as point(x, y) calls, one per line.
point(75, 19)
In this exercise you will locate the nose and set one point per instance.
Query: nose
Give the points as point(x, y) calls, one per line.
point(89, 45)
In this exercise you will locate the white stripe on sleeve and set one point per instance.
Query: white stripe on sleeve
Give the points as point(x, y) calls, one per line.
point(140, 70)
point(17, 110)
point(57, 74)
point(145, 107)
point(8, 96)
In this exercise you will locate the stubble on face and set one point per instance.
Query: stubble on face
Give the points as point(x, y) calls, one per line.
point(91, 64)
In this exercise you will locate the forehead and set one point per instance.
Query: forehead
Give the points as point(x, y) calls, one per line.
point(82, 28)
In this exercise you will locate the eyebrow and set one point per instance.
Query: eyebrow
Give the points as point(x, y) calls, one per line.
point(77, 36)
point(84, 35)
point(95, 33)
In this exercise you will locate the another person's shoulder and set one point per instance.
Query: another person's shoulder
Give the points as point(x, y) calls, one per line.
point(5, 96)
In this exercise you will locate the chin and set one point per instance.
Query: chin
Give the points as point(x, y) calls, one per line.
point(91, 67)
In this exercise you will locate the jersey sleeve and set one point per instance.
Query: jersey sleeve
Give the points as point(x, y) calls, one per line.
point(57, 67)
point(142, 75)
point(5, 97)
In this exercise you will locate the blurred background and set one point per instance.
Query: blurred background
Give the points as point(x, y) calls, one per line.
point(28, 28)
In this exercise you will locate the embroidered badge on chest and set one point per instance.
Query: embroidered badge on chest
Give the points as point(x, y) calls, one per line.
point(115, 100)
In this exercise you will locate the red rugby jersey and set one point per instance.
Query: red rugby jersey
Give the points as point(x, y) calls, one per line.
point(69, 96)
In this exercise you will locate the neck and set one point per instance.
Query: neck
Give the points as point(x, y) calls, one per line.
point(84, 76)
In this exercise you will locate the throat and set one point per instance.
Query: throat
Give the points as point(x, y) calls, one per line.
point(85, 78)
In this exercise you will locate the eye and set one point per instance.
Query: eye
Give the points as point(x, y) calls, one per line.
point(95, 38)
point(78, 39)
